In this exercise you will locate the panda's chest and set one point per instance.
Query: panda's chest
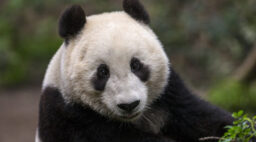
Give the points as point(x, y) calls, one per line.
point(153, 120)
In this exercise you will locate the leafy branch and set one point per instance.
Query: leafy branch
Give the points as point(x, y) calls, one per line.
point(242, 130)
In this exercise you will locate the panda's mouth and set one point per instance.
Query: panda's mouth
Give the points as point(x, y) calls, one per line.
point(130, 116)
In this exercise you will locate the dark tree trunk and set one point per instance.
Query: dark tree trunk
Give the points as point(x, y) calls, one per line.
point(247, 71)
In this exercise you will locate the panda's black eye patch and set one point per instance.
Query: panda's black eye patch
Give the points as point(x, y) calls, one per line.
point(136, 65)
point(102, 71)
point(139, 69)
point(100, 79)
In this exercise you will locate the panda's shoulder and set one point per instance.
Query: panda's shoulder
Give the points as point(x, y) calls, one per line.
point(53, 106)
point(58, 118)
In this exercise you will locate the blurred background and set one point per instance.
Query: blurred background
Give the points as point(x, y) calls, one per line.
point(212, 44)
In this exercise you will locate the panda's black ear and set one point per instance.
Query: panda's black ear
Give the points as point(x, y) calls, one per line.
point(71, 22)
point(136, 10)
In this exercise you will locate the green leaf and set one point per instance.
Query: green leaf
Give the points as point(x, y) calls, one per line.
point(242, 129)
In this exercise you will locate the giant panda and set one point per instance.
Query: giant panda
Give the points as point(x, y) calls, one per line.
point(111, 81)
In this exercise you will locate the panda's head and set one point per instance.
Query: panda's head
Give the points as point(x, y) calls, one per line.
point(112, 62)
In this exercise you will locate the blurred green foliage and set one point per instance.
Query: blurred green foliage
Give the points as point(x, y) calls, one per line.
point(234, 95)
point(26, 42)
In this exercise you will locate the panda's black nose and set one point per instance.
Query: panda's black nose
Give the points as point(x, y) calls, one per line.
point(129, 107)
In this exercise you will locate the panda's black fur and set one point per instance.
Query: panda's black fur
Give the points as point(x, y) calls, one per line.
point(71, 22)
point(136, 10)
point(184, 117)
point(190, 118)
point(62, 122)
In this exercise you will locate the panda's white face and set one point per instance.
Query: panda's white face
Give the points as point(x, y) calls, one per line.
point(116, 66)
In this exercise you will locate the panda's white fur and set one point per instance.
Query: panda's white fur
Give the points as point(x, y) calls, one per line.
point(37, 139)
point(112, 39)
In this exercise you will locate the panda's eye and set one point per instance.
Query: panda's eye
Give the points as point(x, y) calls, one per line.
point(103, 71)
point(136, 65)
